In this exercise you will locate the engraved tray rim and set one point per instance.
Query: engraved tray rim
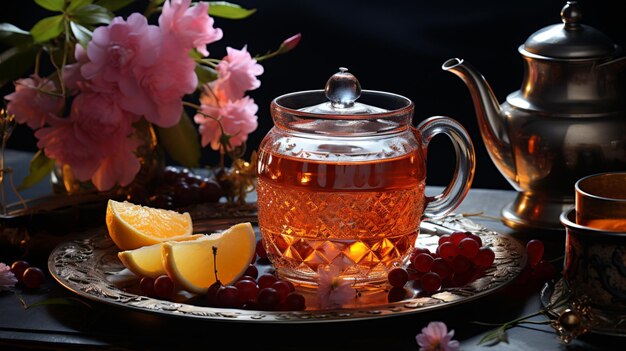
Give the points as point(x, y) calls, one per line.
point(82, 264)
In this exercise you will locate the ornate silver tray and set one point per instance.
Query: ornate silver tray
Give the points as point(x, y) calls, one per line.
point(88, 266)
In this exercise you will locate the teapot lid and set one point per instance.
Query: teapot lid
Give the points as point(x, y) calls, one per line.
point(570, 40)
point(342, 90)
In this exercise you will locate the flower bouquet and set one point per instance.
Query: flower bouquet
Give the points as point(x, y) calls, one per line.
point(109, 95)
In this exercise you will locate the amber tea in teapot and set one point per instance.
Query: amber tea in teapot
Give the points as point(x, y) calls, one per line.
point(343, 183)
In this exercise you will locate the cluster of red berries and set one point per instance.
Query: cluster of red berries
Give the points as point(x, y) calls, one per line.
point(29, 276)
point(251, 291)
point(179, 187)
point(460, 258)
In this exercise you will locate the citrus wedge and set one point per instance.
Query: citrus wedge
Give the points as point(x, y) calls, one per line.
point(147, 261)
point(132, 226)
point(190, 264)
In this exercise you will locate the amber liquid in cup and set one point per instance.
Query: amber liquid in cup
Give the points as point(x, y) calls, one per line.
point(361, 215)
point(601, 201)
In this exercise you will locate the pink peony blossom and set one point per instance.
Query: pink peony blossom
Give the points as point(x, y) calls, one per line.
point(162, 87)
point(119, 50)
point(238, 73)
point(93, 140)
point(120, 166)
point(332, 290)
point(192, 27)
point(435, 337)
point(72, 76)
point(60, 142)
point(33, 100)
point(237, 117)
point(7, 278)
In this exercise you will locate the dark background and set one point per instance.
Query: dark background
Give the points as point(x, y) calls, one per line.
point(392, 45)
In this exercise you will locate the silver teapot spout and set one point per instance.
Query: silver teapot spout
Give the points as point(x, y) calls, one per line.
point(491, 120)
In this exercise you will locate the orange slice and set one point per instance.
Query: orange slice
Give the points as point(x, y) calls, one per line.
point(190, 264)
point(132, 226)
point(147, 261)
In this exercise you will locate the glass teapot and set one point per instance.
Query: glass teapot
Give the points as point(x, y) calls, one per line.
point(341, 182)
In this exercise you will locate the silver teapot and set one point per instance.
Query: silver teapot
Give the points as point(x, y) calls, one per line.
point(567, 121)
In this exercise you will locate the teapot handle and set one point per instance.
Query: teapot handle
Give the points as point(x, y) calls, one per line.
point(451, 197)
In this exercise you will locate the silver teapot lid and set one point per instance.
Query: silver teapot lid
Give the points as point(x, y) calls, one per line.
point(570, 40)
point(342, 90)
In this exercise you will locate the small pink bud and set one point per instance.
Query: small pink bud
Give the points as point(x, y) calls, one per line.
point(290, 43)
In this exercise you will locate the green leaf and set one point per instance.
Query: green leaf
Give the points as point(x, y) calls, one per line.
point(12, 35)
point(40, 167)
point(47, 28)
point(92, 14)
point(228, 10)
point(82, 34)
point(74, 4)
point(70, 301)
point(52, 5)
point(16, 61)
point(181, 142)
point(114, 5)
point(205, 74)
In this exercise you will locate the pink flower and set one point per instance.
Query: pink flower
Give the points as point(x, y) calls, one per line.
point(237, 118)
point(192, 27)
point(435, 337)
point(7, 278)
point(62, 142)
point(290, 43)
point(93, 140)
point(71, 73)
point(120, 166)
point(332, 290)
point(162, 87)
point(118, 50)
point(238, 73)
point(33, 100)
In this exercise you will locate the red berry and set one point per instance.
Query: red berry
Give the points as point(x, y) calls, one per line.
point(266, 280)
point(268, 299)
point(443, 239)
point(18, 268)
point(484, 257)
point(448, 250)
point(476, 238)
point(456, 237)
point(228, 297)
point(418, 250)
point(461, 264)
point(397, 277)
point(164, 287)
point(431, 282)
point(211, 294)
point(260, 250)
point(442, 268)
point(146, 286)
point(247, 289)
point(396, 294)
point(423, 262)
point(252, 271)
point(535, 249)
point(295, 302)
point(468, 247)
point(32, 277)
point(283, 289)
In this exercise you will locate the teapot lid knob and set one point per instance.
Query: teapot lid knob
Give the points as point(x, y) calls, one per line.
point(342, 89)
point(571, 15)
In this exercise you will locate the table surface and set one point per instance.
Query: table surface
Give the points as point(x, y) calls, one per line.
point(104, 327)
